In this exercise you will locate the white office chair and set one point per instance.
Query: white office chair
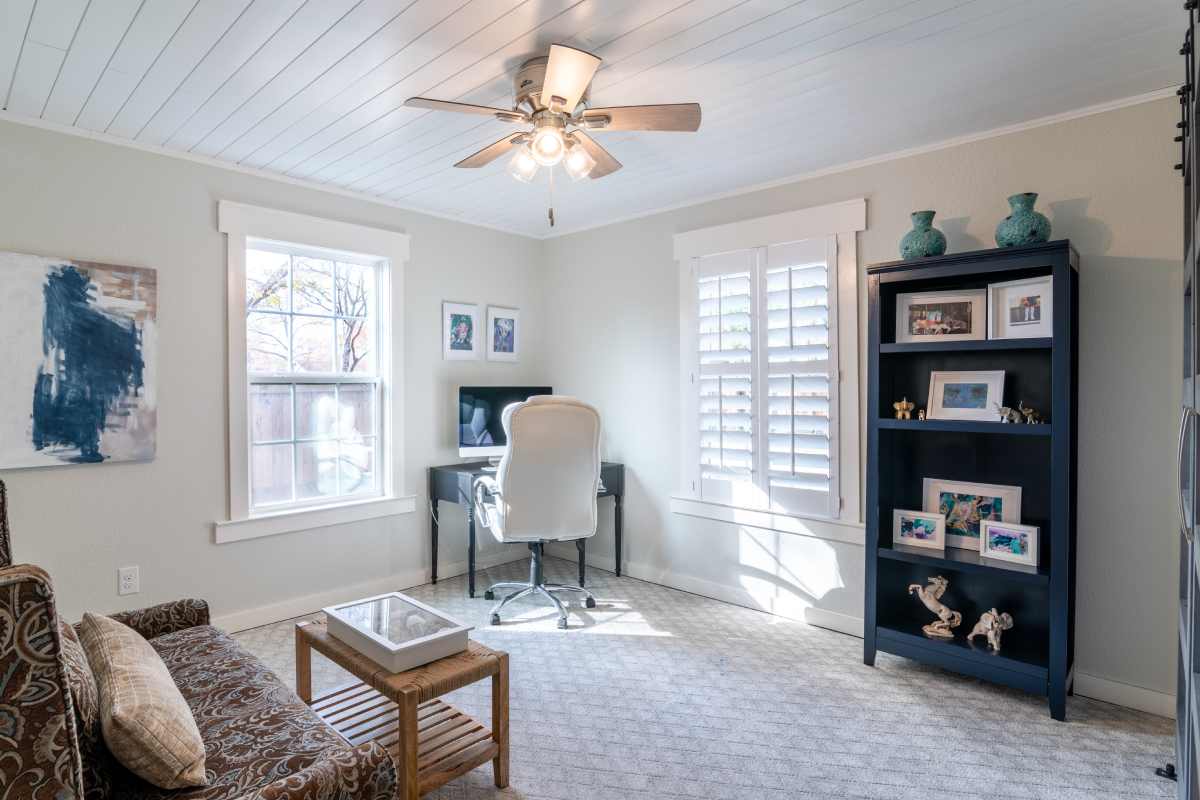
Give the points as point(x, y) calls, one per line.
point(544, 489)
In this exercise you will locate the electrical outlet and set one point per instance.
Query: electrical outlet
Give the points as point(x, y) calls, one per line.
point(128, 580)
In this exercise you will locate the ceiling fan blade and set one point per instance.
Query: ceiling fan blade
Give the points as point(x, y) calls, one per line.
point(605, 163)
point(568, 73)
point(493, 151)
point(503, 114)
point(672, 117)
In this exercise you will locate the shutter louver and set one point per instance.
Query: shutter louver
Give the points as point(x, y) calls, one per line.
point(799, 374)
point(726, 355)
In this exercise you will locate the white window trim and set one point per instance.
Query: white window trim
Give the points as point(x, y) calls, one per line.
point(241, 222)
point(842, 221)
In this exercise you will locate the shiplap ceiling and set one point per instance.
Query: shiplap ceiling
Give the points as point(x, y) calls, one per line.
point(314, 90)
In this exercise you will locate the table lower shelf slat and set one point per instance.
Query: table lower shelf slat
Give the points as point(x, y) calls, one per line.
point(450, 742)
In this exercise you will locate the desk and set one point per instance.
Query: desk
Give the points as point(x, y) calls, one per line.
point(454, 483)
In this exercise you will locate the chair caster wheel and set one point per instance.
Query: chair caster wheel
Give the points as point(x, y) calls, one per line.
point(562, 624)
point(590, 602)
point(489, 595)
point(495, 619)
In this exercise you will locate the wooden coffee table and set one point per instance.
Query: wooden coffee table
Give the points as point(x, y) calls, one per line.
point(431, 741)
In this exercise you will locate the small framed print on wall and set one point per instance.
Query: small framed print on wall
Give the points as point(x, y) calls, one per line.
point(460, 331)
point(1021, 309)
point(945, 316)
point(503, 334)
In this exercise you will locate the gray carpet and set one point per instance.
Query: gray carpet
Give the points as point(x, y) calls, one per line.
point(660, 693)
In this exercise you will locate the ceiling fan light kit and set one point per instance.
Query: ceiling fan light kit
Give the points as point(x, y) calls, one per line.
point(551, 94)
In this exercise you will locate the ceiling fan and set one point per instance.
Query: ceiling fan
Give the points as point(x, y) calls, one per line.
point(550, 94)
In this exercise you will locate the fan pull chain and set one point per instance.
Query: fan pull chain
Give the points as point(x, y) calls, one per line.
point(551, 212)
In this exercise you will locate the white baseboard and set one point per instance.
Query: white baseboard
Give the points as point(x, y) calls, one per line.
point(1124, 694)
point(311, 603)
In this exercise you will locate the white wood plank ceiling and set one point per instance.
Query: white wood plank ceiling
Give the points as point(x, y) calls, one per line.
point(313, 89)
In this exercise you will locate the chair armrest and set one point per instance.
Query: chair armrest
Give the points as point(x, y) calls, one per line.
point(487, 491)
point(165, 618)
point(364, 773)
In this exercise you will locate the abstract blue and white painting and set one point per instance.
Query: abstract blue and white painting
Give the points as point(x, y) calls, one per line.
point(77, 344)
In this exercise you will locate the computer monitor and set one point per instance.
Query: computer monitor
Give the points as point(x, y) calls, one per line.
point(480, 408)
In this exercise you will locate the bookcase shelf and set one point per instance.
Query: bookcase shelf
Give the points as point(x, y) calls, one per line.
point(964, 426)
point(1038, 652)
point(966, 561)
point(958, 347)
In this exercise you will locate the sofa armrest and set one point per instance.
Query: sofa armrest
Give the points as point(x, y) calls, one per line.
point(165, 618)
point(363, 773)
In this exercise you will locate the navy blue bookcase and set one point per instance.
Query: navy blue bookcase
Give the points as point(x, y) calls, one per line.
point(1038, 653)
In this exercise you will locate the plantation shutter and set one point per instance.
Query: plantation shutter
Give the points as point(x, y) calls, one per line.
point(726, 305)
point(800, 373)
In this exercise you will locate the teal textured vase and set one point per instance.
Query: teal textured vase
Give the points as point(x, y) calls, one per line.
point(923, 240)
point(1023, 225)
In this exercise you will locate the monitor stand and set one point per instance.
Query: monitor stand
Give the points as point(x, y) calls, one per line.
point(493, 464)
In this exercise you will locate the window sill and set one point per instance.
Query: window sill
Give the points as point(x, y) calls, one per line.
point(303, 519)
point(838, 530)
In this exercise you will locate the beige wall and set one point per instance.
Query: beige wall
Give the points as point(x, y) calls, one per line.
point(72, 197)
point(1106, 183)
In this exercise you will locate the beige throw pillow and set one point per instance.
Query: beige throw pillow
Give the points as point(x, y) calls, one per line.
point(146, 723)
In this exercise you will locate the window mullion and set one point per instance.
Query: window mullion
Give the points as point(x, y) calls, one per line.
point(759, 389)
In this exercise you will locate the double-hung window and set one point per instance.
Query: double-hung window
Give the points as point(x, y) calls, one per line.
point(762, 372)
point(314, 375)
point(315, 433)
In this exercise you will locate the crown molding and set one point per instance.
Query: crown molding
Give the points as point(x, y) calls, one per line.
point(1040, 122)
point(209, 161)
point(1053, 119)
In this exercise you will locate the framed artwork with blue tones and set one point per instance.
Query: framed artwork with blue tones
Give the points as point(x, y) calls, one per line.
point(1009, 542)
point(918, 529)
point(965, 395)
point(460, 331)
point(504, 334)
point(78, 340)
point(967, 505)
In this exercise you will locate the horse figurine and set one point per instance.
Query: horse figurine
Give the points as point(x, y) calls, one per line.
point(991, 625)
point(931, 596)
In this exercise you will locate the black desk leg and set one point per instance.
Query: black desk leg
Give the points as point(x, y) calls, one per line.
point(617, 519)
point(433, 533)
point(471, 549)
point(581, 545)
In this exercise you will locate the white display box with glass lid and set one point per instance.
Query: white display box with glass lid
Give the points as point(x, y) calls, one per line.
point(395, 631)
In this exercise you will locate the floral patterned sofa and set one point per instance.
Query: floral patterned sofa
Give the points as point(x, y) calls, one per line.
point(261, 741)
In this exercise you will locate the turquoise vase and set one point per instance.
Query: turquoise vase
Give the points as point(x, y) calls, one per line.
point(923, 240)
point(1023, 225)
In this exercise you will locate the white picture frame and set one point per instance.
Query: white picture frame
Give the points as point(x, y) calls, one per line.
point(956, 395)
point(459, 344)
point(936, 538)
point(503, 334)
point(964, 518)
point(1008, 541)
point(953, 310)
point(1022, 309)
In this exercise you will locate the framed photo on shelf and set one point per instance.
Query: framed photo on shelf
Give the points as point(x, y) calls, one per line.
point(945, 316)
point(965, 395)
point(1009, 542)
point(460, 332)
point(967, 505)
point(918, 529)
point(1021, 309)
point(503, 334)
